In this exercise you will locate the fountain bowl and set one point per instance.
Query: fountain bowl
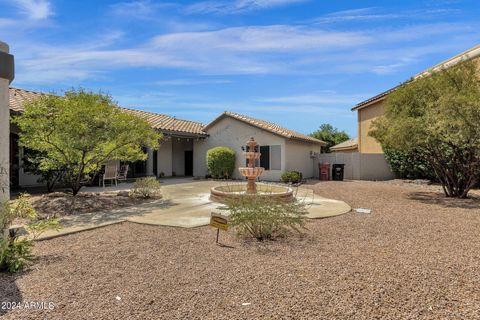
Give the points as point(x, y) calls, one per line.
point(238, 190)
point(251, 172)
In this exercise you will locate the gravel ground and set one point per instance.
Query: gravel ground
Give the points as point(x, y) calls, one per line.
point(63, 204)
point(416, 256)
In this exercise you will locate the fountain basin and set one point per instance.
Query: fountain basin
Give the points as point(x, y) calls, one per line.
point(235, 191)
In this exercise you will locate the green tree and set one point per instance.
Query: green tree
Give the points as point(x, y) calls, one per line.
point(80, 132)
point(332, 136)
point(438, 116)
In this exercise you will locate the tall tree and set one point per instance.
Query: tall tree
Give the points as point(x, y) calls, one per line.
point(330, 135)
point(438, 117)
point(80, 132)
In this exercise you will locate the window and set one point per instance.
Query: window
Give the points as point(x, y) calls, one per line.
point(271, 158)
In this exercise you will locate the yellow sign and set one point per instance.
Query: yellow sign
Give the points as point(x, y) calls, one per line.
point(218, 221)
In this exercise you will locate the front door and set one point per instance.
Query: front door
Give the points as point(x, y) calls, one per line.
point(189, 163)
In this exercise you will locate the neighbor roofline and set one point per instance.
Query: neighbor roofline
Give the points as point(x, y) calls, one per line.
point(344, 148)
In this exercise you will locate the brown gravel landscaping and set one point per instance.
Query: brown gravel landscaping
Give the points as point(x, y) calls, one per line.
point(63, 204)
point(415, 256)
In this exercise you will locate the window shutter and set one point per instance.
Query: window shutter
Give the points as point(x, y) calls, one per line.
point(276, 158)
point(265, 157)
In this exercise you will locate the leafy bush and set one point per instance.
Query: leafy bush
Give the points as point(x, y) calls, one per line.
point(408, 165)
point(146, 187)
point(15, 253)
point(291, 177)
point(221, 162)
point(265, 217)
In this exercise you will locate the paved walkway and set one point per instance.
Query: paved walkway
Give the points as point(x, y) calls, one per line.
point(185, 203)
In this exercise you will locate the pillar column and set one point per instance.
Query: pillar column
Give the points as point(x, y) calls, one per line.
point(150, 162)
point(6, 76)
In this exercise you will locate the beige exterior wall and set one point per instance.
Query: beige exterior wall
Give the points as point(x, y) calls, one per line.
point(297, 155)
point(232, 133)
point(4, 135)
point(360, 166)
point(367, 144)
point(178, 155)
point(164, 158)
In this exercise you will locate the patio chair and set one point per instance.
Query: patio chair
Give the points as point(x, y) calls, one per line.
point(111, 173)
point(123, 172)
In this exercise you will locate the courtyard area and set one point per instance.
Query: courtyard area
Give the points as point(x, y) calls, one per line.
point(415, 256)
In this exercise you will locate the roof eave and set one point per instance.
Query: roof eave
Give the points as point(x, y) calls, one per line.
point(344, 148)
point(369, 103)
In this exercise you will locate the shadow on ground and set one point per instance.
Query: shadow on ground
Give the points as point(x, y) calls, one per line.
point(438, 198)
point(62, 204)
point(9, 292)
point(118, 214)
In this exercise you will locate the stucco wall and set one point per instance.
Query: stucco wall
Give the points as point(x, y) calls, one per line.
point(366, 115)
point(232, 133)
point(164, 158)
point(178, 155)
point(4, 135)
point(297, 155)
point(360, 166)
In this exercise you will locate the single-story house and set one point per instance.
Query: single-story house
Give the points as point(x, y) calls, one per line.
point(282, 149)
point(365, 159)
point(184, 147)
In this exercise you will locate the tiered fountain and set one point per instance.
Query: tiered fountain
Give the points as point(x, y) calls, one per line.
point(251, 188)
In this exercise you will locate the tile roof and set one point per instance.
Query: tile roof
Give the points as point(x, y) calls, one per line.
point(19, 96)
point(268, 126)
point(169, 124)
point(349, 144)
point(158, 121)
point(468, 54)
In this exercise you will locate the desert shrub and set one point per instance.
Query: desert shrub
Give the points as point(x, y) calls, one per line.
point(408, 165)
point(221, 162)
point(146, 187)
point(439, 114)
point(291, 177)
point(265, 217)
point(15, 253)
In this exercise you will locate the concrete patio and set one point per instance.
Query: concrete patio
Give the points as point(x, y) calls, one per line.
point(185, 203)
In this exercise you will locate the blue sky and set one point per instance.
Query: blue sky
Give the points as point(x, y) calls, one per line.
point(298, 63)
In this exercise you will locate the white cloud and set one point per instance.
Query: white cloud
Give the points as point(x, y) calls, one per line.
point(318, 99)
point(262, 38)
point(189, 82)
point(35, 9)
point(139, 9)
point(362, 14)
point(236, 6)
point(274, 49)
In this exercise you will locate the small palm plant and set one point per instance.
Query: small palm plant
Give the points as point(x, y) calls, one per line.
point(264, 217)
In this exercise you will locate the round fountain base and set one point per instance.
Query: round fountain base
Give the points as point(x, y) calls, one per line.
point(235, 191)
